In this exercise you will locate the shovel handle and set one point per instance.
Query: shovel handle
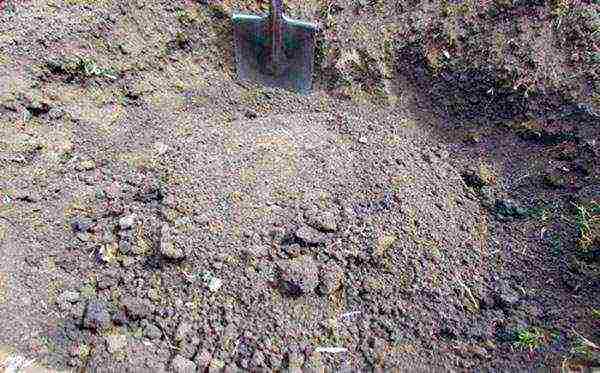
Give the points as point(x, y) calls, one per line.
point(276, 34)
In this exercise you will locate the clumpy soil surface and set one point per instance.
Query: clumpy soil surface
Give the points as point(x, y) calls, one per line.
point(158, 215)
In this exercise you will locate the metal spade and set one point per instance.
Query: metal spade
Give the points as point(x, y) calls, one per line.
point(273, 50)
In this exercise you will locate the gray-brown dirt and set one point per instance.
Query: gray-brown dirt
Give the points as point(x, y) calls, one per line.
point(156, 214)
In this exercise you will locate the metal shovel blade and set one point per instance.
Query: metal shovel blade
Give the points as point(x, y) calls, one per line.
point(258, 59)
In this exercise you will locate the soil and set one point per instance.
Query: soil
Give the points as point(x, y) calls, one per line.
point(157, 215)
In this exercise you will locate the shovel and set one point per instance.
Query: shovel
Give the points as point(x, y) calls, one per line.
point(273, 50)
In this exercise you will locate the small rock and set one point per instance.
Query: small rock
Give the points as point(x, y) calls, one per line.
point(321, 220)
point(250, 114)
point(298, 276)
point(277, 234)
point(69, 296)
point(510, 208)
point(255, 251)
point(81, 224)
point(125, 246)
point(167, 245)
point(183, 365)
point(127, 222)
point(107, 280)
point(309, 235)
point(487, 196)
point(27, 196)
point(161, 148)
point(214, 284)
point(96, 316)
point(108, 252)
point(363, 140)
point(83, 236)
point(108, 237)
point(182, 222)
point(136, 308)
point(115, 342)
point(152, 331)
point(55, 113)
point(202, 219)
point(506, 297)
point(86, 165)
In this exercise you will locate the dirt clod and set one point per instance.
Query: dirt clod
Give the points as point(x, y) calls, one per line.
point(96, 316)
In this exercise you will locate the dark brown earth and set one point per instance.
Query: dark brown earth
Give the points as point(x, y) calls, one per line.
point(158, 215)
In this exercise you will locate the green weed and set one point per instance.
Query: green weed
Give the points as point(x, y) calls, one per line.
point(529, 339)
point(587, 220)
point(80, 66)
point(586, 349)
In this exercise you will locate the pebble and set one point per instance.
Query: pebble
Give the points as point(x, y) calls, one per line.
point(115, 342)
point(55, 113)
point(182, 365)
point(321, 220)
point(96, 316)
point(299, 276)
point(201, 219)
point(161, 148)
point(506, 297)
point(309, 235)
point(136, 308)
point(127, 222)
point(81, 224)
point(125, 246)
point(86, 165)
point(83, 236)
point(168, 249)
point(255, 251)
point(69, 296)
point(510, 207)
point(27, 196)
point(152, 331)
point(214, 284)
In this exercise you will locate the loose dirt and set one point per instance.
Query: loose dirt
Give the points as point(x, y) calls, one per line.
point(158, 215)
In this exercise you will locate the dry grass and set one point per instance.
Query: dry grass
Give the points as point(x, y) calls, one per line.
point(588, 225)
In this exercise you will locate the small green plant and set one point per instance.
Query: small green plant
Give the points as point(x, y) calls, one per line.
point(587, 219)
point(80, 66)
point(529, 338)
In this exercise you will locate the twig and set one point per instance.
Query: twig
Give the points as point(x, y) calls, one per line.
point(587, 342)
point(469, 293)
